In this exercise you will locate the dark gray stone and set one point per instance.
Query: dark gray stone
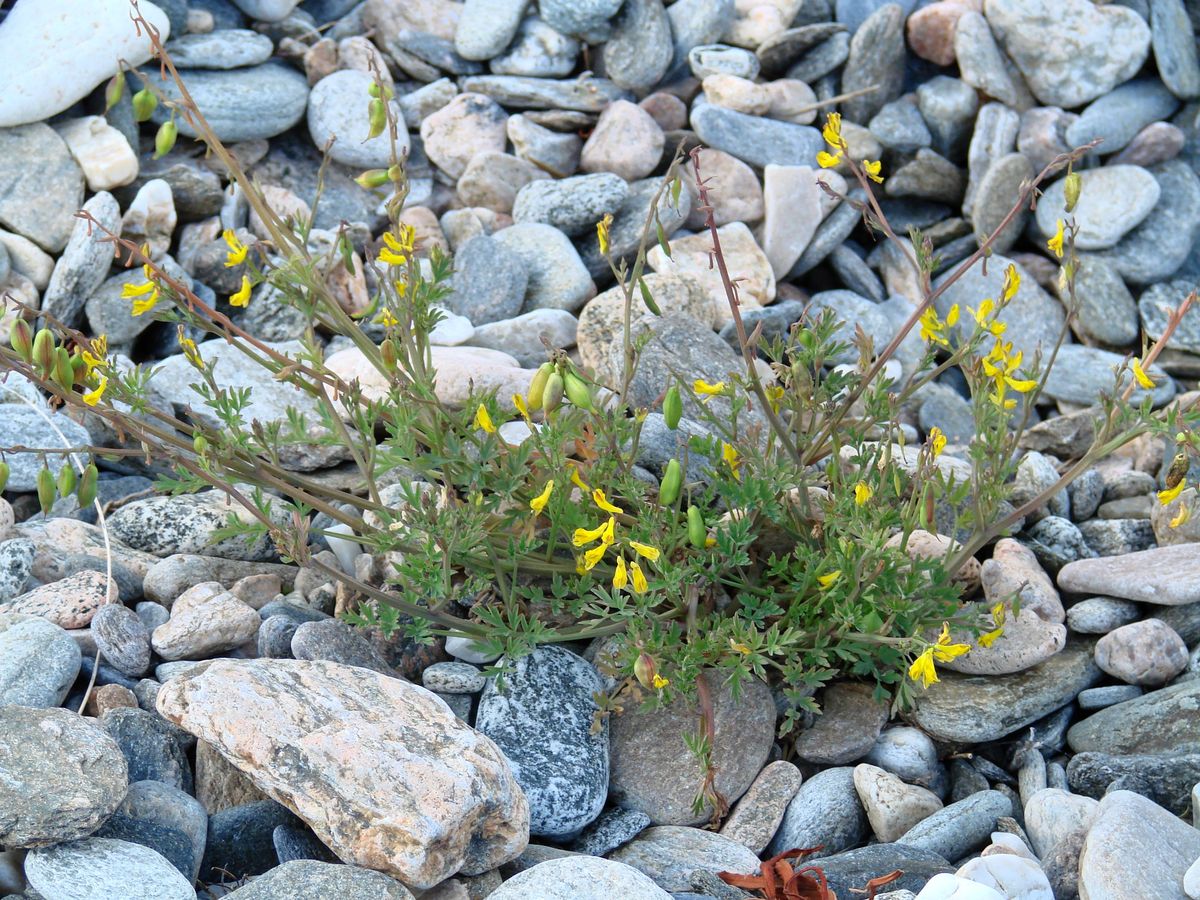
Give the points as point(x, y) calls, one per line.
point(1166, 721)
point(822, 59)
point(123, 638)
point(275, 637)
point(1165, 779)
point(241, 840)
point(825, 812)
point(298, 842)
point(876, 58)
point(638, 53)
point(572, 205)
point(831, 233)
point(614, 828)
point(1158, 302)
point(900, 127)
point(1108, 695)
point(161, 804)
point(1107, 311)
point(1119, 115)
point(853, 312)
point(149, 744)
point(756, 140)
point(848, 871)
point(782, 49)
point(538, 50)
point(1174, 43)
point(541, 718)
point(85, 261)
point(955, 830)
point(335, 641)
point(693, 24)
point(170, 843)
point(948, 106)
point(578, 17)
point(625, 235)
point(1117, 537)
point(1081, 374)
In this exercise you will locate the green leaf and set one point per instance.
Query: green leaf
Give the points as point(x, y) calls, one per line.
point(676, 187)
point(662, 237)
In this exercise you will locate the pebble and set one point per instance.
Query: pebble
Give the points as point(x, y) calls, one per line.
point(1161, 721)
point(825, 812)
point(847, 728)
point(471, 123)
point(1101, 221)
point(158, 803)
point(337, 115)
point(754, 140)
point(1135, 841)
point(613, 828)
point(955, 830)
point(1081, 374)
point(538, 50)
point(60, 771)
point(290, 700)
point(1100, 615)
point(494, 180)
point(207, 627)
point(791, 204)
point(70, 602)
point(652, 770)
point(757, 816)
point(38, 661)
point(558, 278)
point(1145, 653)
point(122, 638)
point(1118, 537)
point(1172, 38)
point(105, 867)
point(572, 205)
point(580, 878)
point(453, 678)
point(103, 152)
point(1162, 576)
point(669, 853)
point(521, 92)
point(556, 153)
point(243, 104)
point(876, 59)
point(321, 879)
point(522, 336)
point(982, 63)
point(1156, 143)
point(1107, 311)
point(640, 49)
point(851, 869)
point(335, 641)
point(1165, 779)
point(1157, 303)
point(892, 806)
point(1119, 115)
point(489, 283)
point(151, 746)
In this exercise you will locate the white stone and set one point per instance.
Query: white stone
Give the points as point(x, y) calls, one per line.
point(469, 651)
point(151, 217)
point(1015, 877)
point(1003, 842)
point(452, 330)
point(99, 868)
point(53, 54)
point(792, 203)
point(1052, 815)
point(892, 806)
point(343, 548)
point(28, 259)
point(102, 152)
point(950, 887)
point(1191, 881)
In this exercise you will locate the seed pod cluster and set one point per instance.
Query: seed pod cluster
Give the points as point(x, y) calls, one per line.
point(554, 382)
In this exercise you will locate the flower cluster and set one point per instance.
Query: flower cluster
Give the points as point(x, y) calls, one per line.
point(606, 535)
point(832, 132)
point(923, 669)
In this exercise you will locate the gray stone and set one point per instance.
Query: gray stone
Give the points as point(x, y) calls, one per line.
point(28, 428)
point(241, 840)
point(170, 843)
point(1154, 250)
point(453, 678)
point(580, 878)
point(1133, 841)
point(85, 261)
point(625, 235)
point(150, 745)
point(558, 278)
point(1164, 576)
point(822, 59)
point(956, 830)
point(721, 59)
point(298, 842)
point(1156, 143)
point(927, 176)
point(41, 185)
point(757, 816)
point(854, 272)
point(982, 63)
point(242, 104)
point(185, 524)
point(537, 50)
point(638, 53)
point(337, 116)
point(995, 134)
point(572, 205)
point(1119, 115)
point(99, 868)
point(38, 661)
point(899, 126)
point(614, 828)
point(1174, 42)
point(1166, 779)
point(876, 58)
point(489, 281)
point(853, 312)
point(520, 92)
point(1158, 302)
point(1162, 721)
point(948, 106)
point(1100, 615)
point(1144, 653)
point(998, 190)
point(168, 578)
point(579, 17)
point(830, 234)
point(226, 48)
point(333, 640)
point(61, 776)
point(542, 720)
point(1109, 695)
point(1117, 537)
point(161, 804)
point(486, 27)
point(1107, 312)
point(275, 637)
point(1081, 374)
point(695, 23)
point(651, 768)
point(847, 728)
point(949, 710)
point(909, 754)
point(1113, 200)
point(1057, 541)
point(848, 871)
point(669, 853)
point(522, 336)
point(753, 139)
point(122, 638)
point(16, 566)
point(551, 151)
point(111, 314)
point(781, 49)
point(313, 878)
point(825, 812)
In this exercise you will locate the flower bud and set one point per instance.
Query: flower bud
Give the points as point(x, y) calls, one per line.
point(114, 90)
point(1177, 470)
point(66, 480)
point(376, 117)
point(1071, 187)
point(372, 178)
point(200, 444)
point(43, 350)
point(5, 471)
point(45, 489)
point(395, 173)
point(144, 104)
point(644, 671)
point(387, 93)
point(87, 486)
point(672, 407)
point(21, 339)
point(165, 139)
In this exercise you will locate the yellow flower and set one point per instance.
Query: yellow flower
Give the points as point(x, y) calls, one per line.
point(242, 297)
point(519, 402)
point(739, 647)
point(989, 638)
point(732, 457)
point(190, 352)
point(483, 420)
point(601, 501)
point(999, 614)
point(828, 160)
point(1140, 374)
point(1055, 244)
point(579, 482)
point(1012, 284)
point(944, 651)
point(660, 682)
point(937, 441)
point(1165, 497)
point(1185, 513)
point(92, 397)
point(237, 250)
point(645, 550)
point(602, 532)
point(999, 365)
point(396, 249)
point(827, 581)
point(872, 170)
point(621, 575)
point(593, 556)
point(862, 493)
point(933, 329)
point(602, 233)
point(96, 355)
point(144, 296)
point(538, 503)
point(387, 318)
point(706, 390)
point(923, 670)
point(638, 578)
point(832, 132)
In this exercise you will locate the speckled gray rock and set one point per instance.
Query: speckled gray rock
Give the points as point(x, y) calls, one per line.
point(309, 877)
point(151, 747)
point(1100, 615)
point(1080, 374)
point(753, 139)
point(579, 17)
point(613, 828)
point(757, 816)
point(1162, 721)
point(876, 59)
point(38, 661)
point(542, 720)
point(16, 565)
point(1173, 39)
point(225, 48)
point(453, 678)
point(159, 803)
point(41, 185)
point(61, 775)
point(961, 827)
point(297, 841)
point(994, 200)
point(1156, 305)
point(1166, 779)
point(337, 113)
point(537, 50)
point(825, 812)
point(123, 638)
point(85, 261)
point(333, 640)
point(242, 104)
point(847, 728)
point(241, 839)
point(275, 637)
point(97, 868)
point(520, 92)
point(170, 843)
point(695, 23)
point(1119, 115)
point(489, 281)
point(669, 853)
point(579, 878)
point(185, 524)
point(640, 49)
point(486, 27)
point(558, 278)
point(849, 870)
point(572, 205)
point(522, 336)
point(1107, 311)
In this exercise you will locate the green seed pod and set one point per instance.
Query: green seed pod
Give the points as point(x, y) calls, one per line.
point(1072, 184)
point(697, 533)
point(372, 178)
point(87, 486)
point(5, 471)
point(395, 173)
point(577, 391)
point(43, 350)
point(1178, 469)
point(672, 481)
point(165, 139)
point(114, 90)
point(388, 351)
point(144, 104)
point(552, 394)
point(376, 117)
point(21, 339)
point(537, 386)
point(62, 372)
point(45, 489)
point(200, 444)
point(672, 407)
point(66, 480)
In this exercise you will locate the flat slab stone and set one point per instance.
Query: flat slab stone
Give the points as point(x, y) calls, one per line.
point(1165, 576)
point(1162, 721)
point(99, 868)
